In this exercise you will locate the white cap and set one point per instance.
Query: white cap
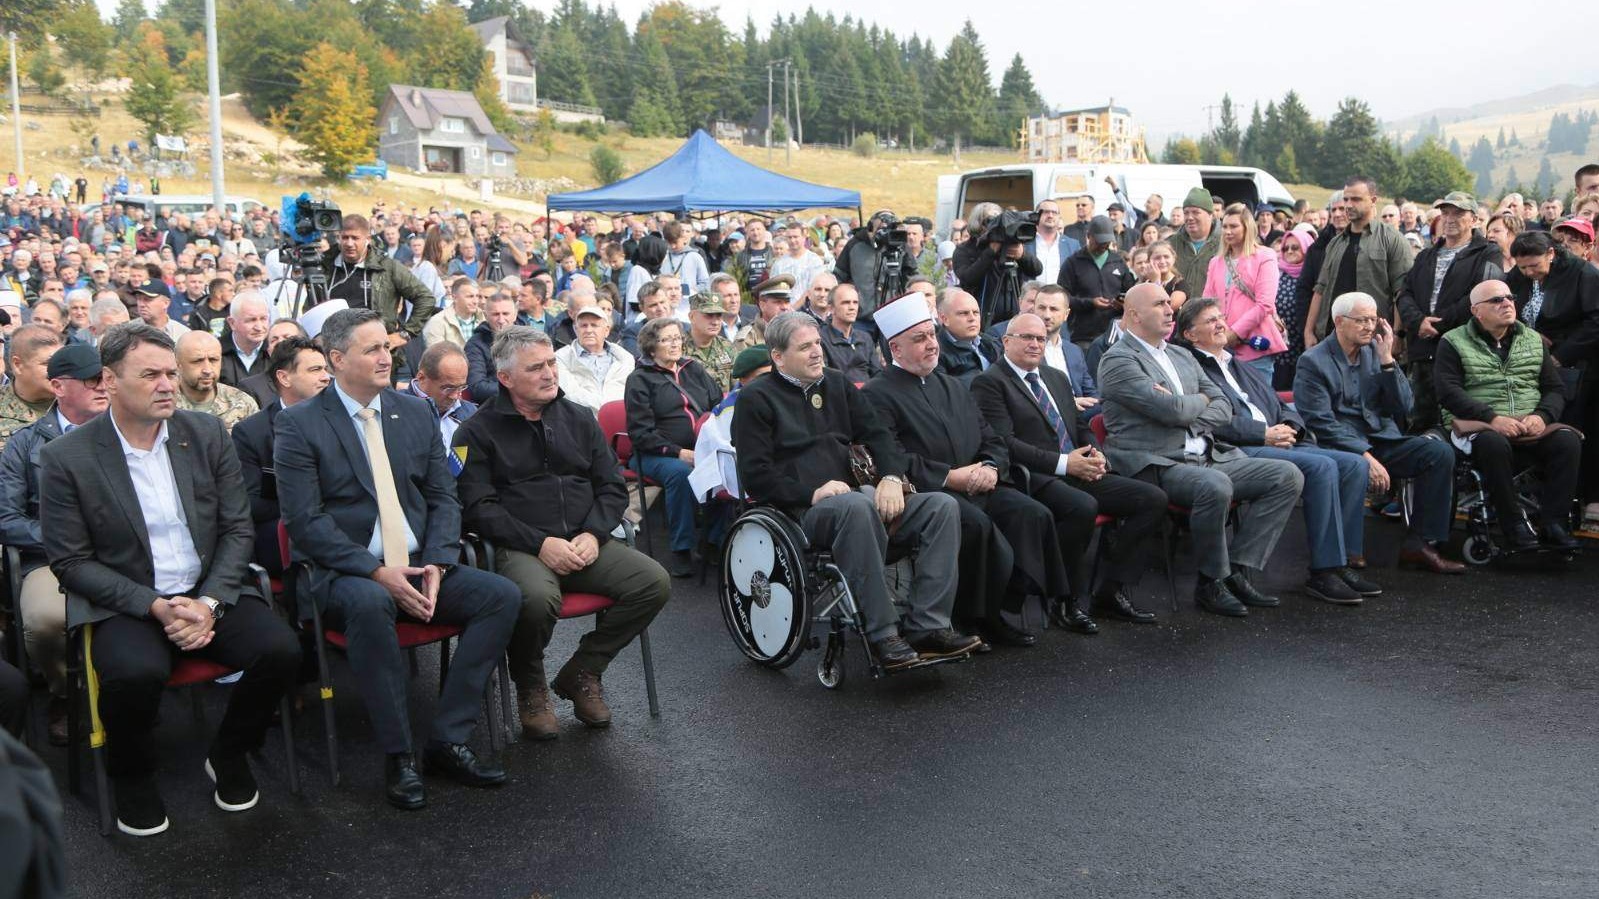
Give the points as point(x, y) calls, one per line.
point(903, 314)
point(946, 250)
point(314, 318)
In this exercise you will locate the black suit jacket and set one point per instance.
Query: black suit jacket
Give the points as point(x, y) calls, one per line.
point(1244, 430)
point(93, 526)
point(252, 440)
point(960, 361)
point(325, 485)
point(235, 372)
point(935, 424)
point(1008, 407)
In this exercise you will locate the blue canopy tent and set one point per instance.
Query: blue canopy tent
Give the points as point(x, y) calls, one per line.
point(702, 176)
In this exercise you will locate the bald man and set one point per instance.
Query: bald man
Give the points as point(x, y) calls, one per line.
point(199, 386)
point(964, 351)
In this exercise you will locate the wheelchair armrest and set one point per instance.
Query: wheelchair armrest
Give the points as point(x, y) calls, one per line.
point(12, 602)
point(480, 549)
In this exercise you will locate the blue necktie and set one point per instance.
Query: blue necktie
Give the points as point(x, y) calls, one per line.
point(1051, 414)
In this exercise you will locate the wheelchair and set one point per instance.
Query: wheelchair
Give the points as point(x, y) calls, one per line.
point(1481, 522)
point(777, 591)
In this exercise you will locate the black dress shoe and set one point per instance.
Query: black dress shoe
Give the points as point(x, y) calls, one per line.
point(1357, 583)
point(402, 784)
point(681, 564)
point(1519, 536)
point(459, 763)
point(893, 652)
point(1556, 537)
point(1118, 606)
point(1066, 614)
point(944, 643)
point(1003, 634)
point(1214, 597)
point(1245, 592)
point(1327, 586)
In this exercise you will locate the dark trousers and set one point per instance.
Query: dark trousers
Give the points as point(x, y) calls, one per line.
point(1424, 413)
point(1138, 507)
point(637, 582)
point(1557, 457)
point(1013, 549)
point(13, 698)
point(672, 474)
point(484, 604)
point(134, 658)
point(1430, 466)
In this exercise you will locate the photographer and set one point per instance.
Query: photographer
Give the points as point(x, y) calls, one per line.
point(857, 262)
point(362, 276)
point(995, 260)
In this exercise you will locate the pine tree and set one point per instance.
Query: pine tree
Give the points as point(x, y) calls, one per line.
point(1227, 136)
point(1544, 184)
point(335, 110)
point(154, 101)
point(1353, 146)
point(563, 53)
point(1454, 147)
point(1432, 171)
point(1018, 99)
point(1251, 151)
point(1512, 180)
point(1500, 144)
point(655, 111)
point(963, 88)
point(128, 16)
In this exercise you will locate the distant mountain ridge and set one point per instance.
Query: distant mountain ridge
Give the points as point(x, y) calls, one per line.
point(1558, 95)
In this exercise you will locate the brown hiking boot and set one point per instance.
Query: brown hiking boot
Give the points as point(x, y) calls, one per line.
point(586, 694)
point(538, 713)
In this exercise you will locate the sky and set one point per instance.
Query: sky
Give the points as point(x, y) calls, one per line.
point(1149, 60)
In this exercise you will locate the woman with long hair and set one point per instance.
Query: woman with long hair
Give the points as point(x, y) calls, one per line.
point(1244, 278)
point(647, 262)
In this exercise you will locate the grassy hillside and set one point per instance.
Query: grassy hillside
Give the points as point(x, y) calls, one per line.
point(1528, 118)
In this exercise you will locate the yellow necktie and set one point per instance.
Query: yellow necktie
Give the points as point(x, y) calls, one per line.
point(391, 516)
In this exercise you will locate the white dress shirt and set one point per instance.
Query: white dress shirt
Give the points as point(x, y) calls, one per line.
point(1055, 355)
point(1193, 444)
point(173, 558)
point(1065, 415)
point(375, 545)
point(1223, 358)
point(1049, 257)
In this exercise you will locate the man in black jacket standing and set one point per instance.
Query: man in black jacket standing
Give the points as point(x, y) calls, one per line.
point(793, 433)
point(1095, 277)
point(539, 481)
point(1435, 295)
point(992, 267)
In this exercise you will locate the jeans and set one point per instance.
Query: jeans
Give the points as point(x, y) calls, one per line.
point(1335, 500)
point(1430, 466)
point(672, 474)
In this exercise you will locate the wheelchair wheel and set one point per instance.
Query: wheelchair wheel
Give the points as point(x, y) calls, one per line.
point(1477, 550)
point(830, 668)
point(766, 588)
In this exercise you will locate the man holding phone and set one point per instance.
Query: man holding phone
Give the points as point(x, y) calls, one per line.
point(1351, 394)
point(369, 501)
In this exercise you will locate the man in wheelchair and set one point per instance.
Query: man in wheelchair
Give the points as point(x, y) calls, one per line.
point(794, 432)
point(1501, 394)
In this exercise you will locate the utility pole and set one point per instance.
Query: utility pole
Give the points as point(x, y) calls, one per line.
point(768, 109)
point(218, 198)
point(799, 127)
point(16, 107)
point(788, 139)
point(1210, 117)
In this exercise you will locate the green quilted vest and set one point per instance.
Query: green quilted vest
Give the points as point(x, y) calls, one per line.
point(1509, 386)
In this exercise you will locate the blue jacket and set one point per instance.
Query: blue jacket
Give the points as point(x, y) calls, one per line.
point(1347, 406)
point(1244, 430)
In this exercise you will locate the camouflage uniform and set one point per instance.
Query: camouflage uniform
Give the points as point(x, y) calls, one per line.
point(230, 404)
point(16, 413)
point(717, 359)
point(750, 335)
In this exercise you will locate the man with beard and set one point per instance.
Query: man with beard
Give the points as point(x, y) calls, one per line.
point(1009, 548)
point(199, 390)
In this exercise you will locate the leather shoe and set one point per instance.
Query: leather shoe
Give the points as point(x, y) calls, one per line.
point(1066, 614)
point(893, 652)
point(57, 730)
point(1118, 606)
point(402, 784)
point(1245, 592)
point(1357, 583)
point(537, 713)
point(1003, 634)
point(1427, 557)
point(459, 763)
point(1555, 536)
point(1519, 536)
point(944, 643)
point(1327, 586)
point(1214, 597)
point(587, 696)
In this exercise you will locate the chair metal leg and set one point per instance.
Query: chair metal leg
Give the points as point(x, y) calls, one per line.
point(325, 693)
point(507, 704)
point(649, 672)
point(1171, 561)
point(444, 663)
point(102, 789)
point(286, 711)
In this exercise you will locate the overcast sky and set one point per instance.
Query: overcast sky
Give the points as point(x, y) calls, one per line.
point(1146, 54)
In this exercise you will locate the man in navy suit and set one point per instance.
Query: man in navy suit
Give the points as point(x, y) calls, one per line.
point(370, 503)
point(1335, 481)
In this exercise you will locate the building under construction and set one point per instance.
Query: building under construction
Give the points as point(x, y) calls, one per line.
point(1099, 134)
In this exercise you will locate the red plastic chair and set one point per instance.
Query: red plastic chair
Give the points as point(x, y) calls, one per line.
point(186, 672)
point(613, 424)
point(1168, 532)
point(1286, 396)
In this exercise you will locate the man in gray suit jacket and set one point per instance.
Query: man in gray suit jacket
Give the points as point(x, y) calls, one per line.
point(367, 568)
point(144, 521)
point(1160, 414)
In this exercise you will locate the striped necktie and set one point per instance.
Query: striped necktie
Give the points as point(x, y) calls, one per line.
point(1051, 414)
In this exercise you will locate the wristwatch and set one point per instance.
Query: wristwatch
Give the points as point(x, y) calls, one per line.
point(217, 608)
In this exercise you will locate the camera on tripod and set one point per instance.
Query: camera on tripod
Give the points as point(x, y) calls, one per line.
point(1012, 228)
point(891, 233)
point(304, 220)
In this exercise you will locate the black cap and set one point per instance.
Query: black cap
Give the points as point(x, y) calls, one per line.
point(78, 361)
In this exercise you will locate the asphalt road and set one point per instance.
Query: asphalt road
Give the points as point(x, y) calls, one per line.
point(1439, 741)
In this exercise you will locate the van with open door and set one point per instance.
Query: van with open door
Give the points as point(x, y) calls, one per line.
point(1025, 185)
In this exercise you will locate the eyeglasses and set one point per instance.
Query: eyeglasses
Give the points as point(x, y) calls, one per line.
point(1027, 338)
point(669, 340)
point(1502, 298)
point(1366, 321)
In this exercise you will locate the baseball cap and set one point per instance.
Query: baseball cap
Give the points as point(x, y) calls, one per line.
point(1458, 199)
point(99, 266)
point(708, 303)
point(1578, 224)
point(593, 310)
point(1101, 229)
point(78, 361)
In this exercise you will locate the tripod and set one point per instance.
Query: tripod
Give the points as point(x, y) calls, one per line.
point(493, 269)
point(890, 281)
point(312, 280)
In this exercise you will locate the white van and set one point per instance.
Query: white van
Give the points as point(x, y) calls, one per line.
point(1025, 185)
point(189, 204)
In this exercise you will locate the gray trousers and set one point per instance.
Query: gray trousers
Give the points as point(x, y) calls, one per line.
point(850, 526)
point(1268, 489)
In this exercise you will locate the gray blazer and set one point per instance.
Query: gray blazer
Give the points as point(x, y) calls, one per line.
point(1146, 427)
point(93, 527)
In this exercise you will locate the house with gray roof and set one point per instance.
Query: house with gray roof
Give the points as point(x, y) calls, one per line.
point(513, 63)
point(434, 130)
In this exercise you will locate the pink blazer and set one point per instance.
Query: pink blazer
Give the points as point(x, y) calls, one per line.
point(1249, 317)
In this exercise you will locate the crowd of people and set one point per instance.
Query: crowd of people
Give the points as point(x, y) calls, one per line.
point(175, 393)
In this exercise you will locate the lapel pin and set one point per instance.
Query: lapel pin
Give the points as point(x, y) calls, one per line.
point(394, 416)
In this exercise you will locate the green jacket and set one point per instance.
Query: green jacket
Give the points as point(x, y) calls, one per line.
point(1475, 384)
point(1191, 264)
point(1382, 261)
